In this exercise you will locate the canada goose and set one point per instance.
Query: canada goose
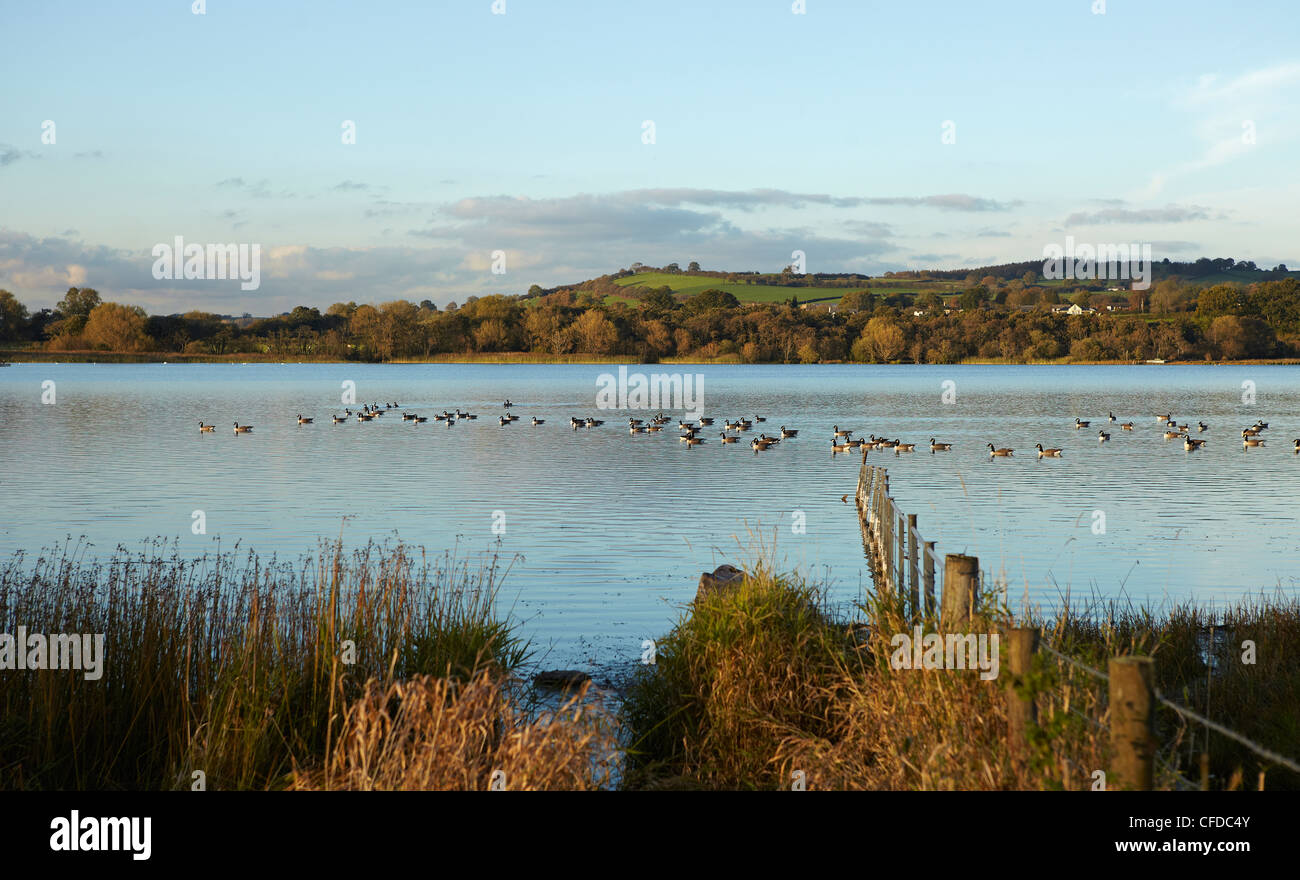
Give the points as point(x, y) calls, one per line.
point(632, 421)
point(704, 421)
point(1201, 427)
point(940, 447)
point(731, 426)
point(1127, 426)
point(1252, 441)
point(512, 417)
point(574, 421)
point(654, 429)
point(776, 440)
point(303, 421)
point(507, 404)
point(1249, 432)
point(1102, 436)
point(1189, 444)
point(746, 424)
point(1261, 425)
point(788, 432)
point(637, 429)
point(1173, 435)
point(1164, 418)
point(693, 441)
point(204, 429)
point(845, 433)
point(243, 429)
point(835, 447)
point(503, 421)
point(594, 423)
point(1004, 452)
point(758, 445)
point(407, 417)
point(1297, 445)
point(1078, 423)
point(1047, 453)
point(537, 421)
point(689, 435)
point(760, 418)
point(726, 438)
point(1112, 418)
point(904, 447)
point(364, 417)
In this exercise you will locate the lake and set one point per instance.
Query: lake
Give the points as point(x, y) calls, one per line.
point(609, 531)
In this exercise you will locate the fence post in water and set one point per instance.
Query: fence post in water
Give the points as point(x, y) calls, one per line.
point(1132, 723)
point(1022, 642)
point(913, 574)
point(961, 578)
point(929, 578)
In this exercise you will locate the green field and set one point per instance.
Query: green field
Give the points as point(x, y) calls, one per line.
point(690, 285)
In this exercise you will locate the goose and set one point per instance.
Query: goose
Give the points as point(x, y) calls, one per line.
point(637, 429)
point(1112, 418)
point(420, 420)
point(1261, 425)
point(204, 429)
point(1078, 423)
point(760, 419)
point(1201, 427)
point(835, 447)
point(303, 421)
point(1249, 432)
point(243, 429)
point(631, 421)
point(461, 415)
point(693, 441)
point(1189, 444)
point(1252, 441)
point(1102, 436)
point(845, 433)
point(512, 417)
point(364, 417)
point(654, 429)
point(507, 404)
point(789, 432)
point(1127, 426)
point(1164, 418)
point(451, 423)
point(574, 421)
point(441, 417)
point(1297, 446)
point(1047, 453)
point(904, 447)
point(727, 438)
point(731, 426)
point(705, 422)
point(407, 417)
point(503, 421)
point(1173, 435)
point(757, 444)
point(746, 424)
point(940, 447)
point(689, 435)
point(776, 440)
point(1004, 452)
point(594, 423)
point(685, 426)
point(537, 421)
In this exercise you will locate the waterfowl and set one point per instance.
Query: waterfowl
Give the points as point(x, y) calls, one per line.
point(1252, 441)
point(693, 441)
point(503, 421)
point(1004, 452)
point(507, 404)
point(303, 421)
point(726, 438)
point(1127, 426)
point(1297, 446)
point(1102, 436)
point(594, 423)
point(1048, 453)
point(835, 447)
point(632, 421)
point(637, 429)
point(1201, 427)
point(940, 447)
point(1189, 444)
point(336, 419)
point(760, 419)
point(845, 433)
point(1261, 425)
point(788, 432)
point(1164, 418)
point(731, 426)
point(704, 421)
point(1078, 423)
point(537, 421)
point(1112, 418)
point(204, 429)
point(904, 447)
point(1173, 435)
point(654, 429)
point(757, 444)
point(407, 417)
point(420, 420)
point(1249, 432)
point(243, 429)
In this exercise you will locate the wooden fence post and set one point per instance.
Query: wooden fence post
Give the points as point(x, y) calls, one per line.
point(929, 578)
point(1022, 710)
point(1132, 723)
point(913, 574)
point(961, 577)
point(900, 553)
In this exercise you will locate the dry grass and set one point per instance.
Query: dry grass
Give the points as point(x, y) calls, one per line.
point(434, 733)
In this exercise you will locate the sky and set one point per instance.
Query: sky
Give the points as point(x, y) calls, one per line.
point(576, 138)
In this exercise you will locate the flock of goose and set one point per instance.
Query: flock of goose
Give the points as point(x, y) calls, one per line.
point(842, 440)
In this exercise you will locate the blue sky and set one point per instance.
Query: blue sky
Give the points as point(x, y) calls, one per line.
point(523, 132)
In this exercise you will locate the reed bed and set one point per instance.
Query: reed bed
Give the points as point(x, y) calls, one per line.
point(228, 665)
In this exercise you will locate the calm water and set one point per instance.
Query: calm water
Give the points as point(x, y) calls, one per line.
point(613, 529)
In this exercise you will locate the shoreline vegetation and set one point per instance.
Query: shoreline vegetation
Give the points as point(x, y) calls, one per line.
point(1215, 311)
point(385, 668)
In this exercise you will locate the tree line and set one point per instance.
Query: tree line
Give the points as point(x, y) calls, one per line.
point(992, 319)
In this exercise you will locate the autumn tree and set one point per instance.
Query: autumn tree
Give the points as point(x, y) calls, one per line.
point(116, 327)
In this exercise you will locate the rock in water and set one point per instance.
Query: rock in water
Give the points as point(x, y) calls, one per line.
point(723, 577)
point(561, 678)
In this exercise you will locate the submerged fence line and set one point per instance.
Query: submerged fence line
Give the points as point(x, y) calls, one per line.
point(905, 566)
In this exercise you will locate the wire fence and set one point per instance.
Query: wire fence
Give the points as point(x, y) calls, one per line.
point(907, 567)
